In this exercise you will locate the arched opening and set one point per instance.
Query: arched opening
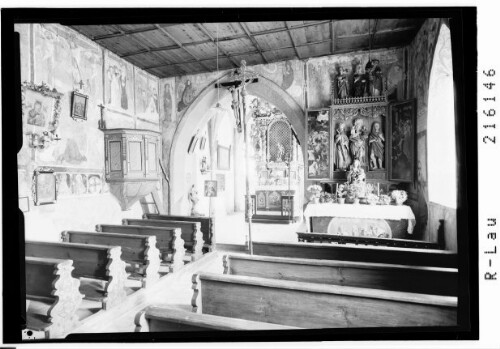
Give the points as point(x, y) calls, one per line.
point(442, 163)
point(195, 119)
point(441, 144)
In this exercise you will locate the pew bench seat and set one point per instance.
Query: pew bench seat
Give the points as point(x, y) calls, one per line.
point(168, 318)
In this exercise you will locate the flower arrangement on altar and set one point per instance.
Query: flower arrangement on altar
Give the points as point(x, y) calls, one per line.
point(315, 191)
point(399, 196)
point(372, 199)
point(385, 199)
point(326, 198)
point(355, 192)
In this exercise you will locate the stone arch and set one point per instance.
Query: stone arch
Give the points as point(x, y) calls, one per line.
point(196, 116)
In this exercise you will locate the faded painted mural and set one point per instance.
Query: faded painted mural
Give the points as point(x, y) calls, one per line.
point(118, 84)
point(78, 156)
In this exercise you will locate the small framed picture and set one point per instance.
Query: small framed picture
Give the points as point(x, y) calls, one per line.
point(44, 187)
point(211, 188)
point(79, 106)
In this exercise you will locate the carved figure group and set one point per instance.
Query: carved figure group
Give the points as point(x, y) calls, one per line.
point(360, 84)
point(352, 148)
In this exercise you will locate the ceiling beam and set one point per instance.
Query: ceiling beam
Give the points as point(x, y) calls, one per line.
point(292, 39)
point(252, 39)
point(174, 39)
point(144, 46)
point(125, 32)
point(332, 37)
point(207, 33)
point(386, 31)
point(241, 54)
point(372, 37)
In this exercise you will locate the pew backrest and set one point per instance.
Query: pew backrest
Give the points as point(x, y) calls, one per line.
point(405, 278)
point(311, 305)
point(207, 225)
point(89, 260)
point(134, 247)
point(168, 318)
point(168, 240)
point(372, 254)
point(53, 292)
point(190, 232)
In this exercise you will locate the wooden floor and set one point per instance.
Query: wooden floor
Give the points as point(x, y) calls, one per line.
point(172, 289)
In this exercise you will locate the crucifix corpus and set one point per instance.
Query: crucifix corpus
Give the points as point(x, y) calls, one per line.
point(236, 84)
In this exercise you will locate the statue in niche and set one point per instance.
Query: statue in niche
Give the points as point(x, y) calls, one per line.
point(342, 156)
point(358, 141)
point(360, 81)
point(343, 84)
point(193, 198)
point(281, 152)
point(374, 73)
point(376, 142)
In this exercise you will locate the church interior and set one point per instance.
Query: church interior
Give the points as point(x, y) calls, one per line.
point(263, 175)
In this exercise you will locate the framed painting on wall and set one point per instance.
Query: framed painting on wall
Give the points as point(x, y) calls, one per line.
point(223, 157)
point(41, 106)
point(44, 187)
point(210, 188)
point(79, 106)
point(402, 141)
point(318, 144)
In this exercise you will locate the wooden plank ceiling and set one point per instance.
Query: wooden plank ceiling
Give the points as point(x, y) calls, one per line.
point(166, 50)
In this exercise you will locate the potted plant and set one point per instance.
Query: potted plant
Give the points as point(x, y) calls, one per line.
point(354, 192)
point(341, 193)
point(315, 193)
point(399, 196)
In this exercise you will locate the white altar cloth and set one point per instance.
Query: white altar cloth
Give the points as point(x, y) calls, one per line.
point(391, 212)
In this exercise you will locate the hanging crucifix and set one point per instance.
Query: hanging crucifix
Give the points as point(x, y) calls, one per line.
point(237, 86)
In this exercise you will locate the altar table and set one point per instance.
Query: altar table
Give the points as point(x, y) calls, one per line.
point(361, 211)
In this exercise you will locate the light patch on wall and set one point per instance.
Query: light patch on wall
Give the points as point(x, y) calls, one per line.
point(441, 126)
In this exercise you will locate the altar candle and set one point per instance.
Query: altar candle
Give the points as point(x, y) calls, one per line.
point(336, 190)
point(378, 189)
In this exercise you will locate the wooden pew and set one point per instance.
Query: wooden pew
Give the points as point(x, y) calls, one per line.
point(393, 277)
point(53, 293)
point(168, 318)
point(364, 240)
point(168, 241)
point(309, 305)
point(191, 234)
point(136, 249)
point(89, 261)
point(207, 226)
point(372, 254)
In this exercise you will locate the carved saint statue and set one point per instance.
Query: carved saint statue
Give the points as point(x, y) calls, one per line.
point(342, 156)
point(375, 80)
point(343, 84)
point(359, 83)
point(193, 198)
point(358, 141)
point(376, 142)
point(281, 152)
point(356, 175)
